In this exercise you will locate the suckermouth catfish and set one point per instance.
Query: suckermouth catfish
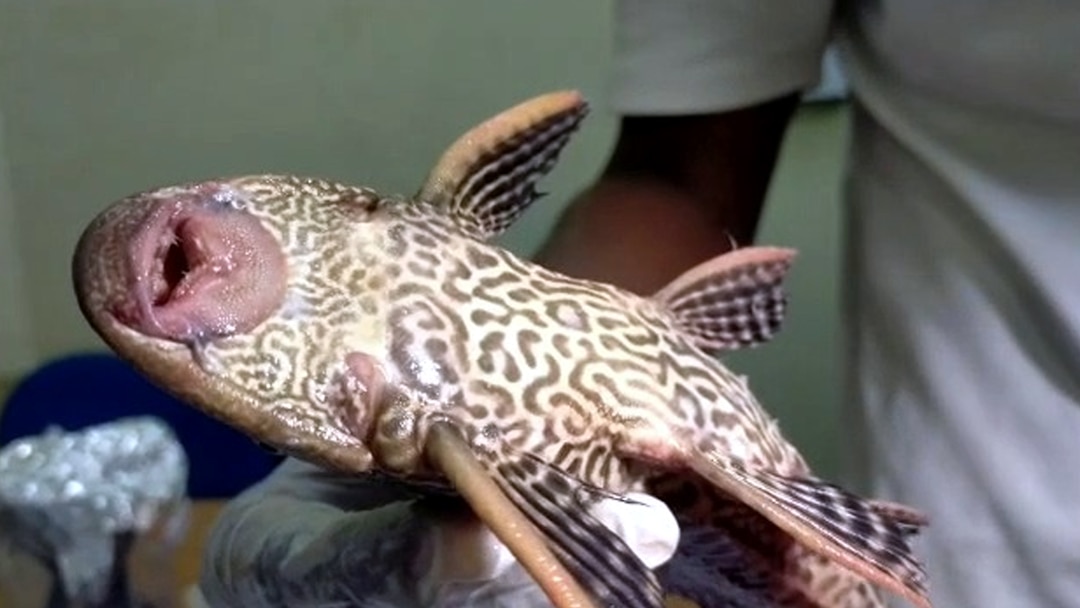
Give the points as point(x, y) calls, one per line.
point(389, 335)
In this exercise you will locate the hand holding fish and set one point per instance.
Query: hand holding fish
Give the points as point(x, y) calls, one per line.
point(308, 537)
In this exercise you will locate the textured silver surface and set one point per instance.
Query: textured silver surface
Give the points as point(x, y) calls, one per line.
point(66, 496)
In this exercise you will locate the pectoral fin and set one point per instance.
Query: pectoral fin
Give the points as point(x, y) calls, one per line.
point(735, 300)
point(448, 451)
point(486, 179)
point(537, 512)
point(868, 538)
point(603, 563)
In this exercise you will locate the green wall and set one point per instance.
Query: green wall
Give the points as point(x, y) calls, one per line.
point(100, 99)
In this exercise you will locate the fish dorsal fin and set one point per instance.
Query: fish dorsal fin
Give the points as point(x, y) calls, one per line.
point(735, 300)
point(486, 179)
point(872, 539)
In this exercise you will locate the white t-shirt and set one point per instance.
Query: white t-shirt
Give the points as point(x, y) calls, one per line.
point(962, 253)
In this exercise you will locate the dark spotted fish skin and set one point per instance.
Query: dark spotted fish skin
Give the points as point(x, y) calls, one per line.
point(561, 368)
point(616, 391)
point(557, 367)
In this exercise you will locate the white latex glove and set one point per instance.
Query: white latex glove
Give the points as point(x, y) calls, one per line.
point(307, 539)
point(468, 566)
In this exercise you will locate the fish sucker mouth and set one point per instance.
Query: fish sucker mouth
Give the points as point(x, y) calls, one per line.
point(162, 274)
point(198, 269)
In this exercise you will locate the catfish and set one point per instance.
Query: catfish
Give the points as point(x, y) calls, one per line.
point(391, 335)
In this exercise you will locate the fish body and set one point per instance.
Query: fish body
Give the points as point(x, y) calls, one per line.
point(390, 334)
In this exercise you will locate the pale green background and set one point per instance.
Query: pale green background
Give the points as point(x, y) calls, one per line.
point(99, 99)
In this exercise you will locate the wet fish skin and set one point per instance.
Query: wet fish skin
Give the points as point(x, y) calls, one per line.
point(366, 332)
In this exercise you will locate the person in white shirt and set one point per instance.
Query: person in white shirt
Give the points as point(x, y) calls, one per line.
point(962, 243)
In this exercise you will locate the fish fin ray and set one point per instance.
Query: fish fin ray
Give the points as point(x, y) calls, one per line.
point(558, 504)
point(911, 518)
point(730, 556)
point(797, 577)
point(487, 178)
point(828, 520)
point(732, 301)
point(447, 449)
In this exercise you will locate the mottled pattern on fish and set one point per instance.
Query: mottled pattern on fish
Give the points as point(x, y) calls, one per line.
point(469, 329)
point(366, 333)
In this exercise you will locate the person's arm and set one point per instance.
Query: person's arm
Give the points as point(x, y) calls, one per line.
point(705, 90)
point(676, 191)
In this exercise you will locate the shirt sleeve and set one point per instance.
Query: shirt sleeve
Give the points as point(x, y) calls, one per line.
point(700, 56)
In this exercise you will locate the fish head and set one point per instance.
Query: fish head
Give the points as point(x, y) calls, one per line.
point(262, 300)
point(242, 297)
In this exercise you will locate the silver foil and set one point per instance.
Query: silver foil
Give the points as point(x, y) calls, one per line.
point(68, 498)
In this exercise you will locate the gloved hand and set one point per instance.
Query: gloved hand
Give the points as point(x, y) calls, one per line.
point(469, 566)
point(305, 538)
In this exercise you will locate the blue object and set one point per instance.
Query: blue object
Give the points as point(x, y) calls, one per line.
point(84, 390)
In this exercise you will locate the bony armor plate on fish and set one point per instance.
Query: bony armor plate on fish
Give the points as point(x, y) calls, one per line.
point(390, 335)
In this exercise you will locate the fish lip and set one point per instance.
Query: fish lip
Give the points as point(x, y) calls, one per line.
point(146, 259)
point(151, 295)
point(228, 275)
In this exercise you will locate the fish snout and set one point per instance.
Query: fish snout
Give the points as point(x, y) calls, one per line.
point(184, 264)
